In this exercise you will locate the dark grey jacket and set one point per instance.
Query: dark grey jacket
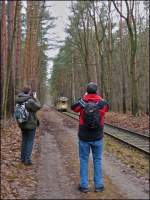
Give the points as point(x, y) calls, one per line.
point(32, 106)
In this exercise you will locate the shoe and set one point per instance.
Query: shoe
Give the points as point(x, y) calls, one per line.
point(82, 189)
point(28, 163)
point(100, 189)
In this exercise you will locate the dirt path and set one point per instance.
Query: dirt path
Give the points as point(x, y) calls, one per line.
point(53, 179)
point(58, 173)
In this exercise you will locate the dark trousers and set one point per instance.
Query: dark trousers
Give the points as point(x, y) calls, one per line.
point(27, 144)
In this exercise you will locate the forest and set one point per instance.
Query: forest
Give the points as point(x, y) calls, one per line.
point(23, 49)
point(107, 42)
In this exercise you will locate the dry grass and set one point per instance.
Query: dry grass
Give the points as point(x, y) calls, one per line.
point(132, 158)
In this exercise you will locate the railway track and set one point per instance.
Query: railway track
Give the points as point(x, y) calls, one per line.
point(131, 138)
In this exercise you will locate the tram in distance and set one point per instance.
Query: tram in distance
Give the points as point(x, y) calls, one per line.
point(62, 104)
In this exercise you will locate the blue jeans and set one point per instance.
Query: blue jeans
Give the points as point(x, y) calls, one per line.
point(84, 151)
point(27, 144)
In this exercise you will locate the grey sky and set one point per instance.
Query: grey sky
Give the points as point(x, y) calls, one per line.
point(59, 9)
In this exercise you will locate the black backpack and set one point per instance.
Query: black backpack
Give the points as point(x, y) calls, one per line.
point(91, 114)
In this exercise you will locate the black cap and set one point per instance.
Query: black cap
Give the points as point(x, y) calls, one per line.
point(91, 88)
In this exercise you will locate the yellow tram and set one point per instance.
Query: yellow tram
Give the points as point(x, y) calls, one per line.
point(62, 104)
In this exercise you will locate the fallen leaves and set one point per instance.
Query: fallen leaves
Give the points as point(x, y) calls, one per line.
point(128, 121)
point(17, 181)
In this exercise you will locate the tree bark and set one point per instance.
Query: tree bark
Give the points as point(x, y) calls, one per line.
point(10, 59)
point(3, 54)
point(122, 66)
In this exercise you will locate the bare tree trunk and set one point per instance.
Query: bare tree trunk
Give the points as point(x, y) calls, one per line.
point(133, 47)
point(10, 60)
point(131, 24)
point(18, 49)
point(122, 65)
point(110, 51)
point(99, 40)
point(3, 54)
point(73, 80)
point(27, 52)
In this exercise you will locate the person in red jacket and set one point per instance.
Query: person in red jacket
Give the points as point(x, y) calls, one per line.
point(91, 138)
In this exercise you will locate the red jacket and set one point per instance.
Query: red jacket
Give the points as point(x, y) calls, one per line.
point(85, 134)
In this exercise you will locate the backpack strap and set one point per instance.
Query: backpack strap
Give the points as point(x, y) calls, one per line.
point(82, 103)
point(101, 103)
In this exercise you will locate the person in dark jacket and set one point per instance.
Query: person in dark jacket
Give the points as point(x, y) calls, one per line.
point(28, 128)
point(90, 139)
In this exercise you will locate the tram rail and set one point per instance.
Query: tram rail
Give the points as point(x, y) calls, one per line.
point(134, 139)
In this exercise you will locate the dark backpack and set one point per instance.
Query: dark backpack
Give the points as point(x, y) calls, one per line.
point(91, 115)
point(21, 114)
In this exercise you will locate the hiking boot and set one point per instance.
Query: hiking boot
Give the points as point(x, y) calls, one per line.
point(100, 189)
point(83, 189)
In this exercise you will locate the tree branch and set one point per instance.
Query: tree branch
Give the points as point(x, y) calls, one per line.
point(132, 7)
point(118, 10)
point(128, 10)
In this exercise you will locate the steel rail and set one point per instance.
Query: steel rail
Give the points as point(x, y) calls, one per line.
point(120, 128)
point(131, 138)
